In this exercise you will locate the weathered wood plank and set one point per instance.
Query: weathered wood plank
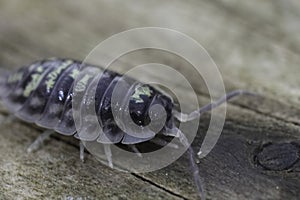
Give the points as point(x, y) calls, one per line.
point(231, 170)
point(255, 49)
point(55, 172)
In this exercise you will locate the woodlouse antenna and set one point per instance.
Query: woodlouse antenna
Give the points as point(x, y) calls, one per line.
point(182, 117)
point(193, 115)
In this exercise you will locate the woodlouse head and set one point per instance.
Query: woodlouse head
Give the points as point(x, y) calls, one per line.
point(141, 102)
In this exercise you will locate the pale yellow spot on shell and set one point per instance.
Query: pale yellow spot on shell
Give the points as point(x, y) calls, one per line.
point(74, 73)
point(36, 79)
point(144, 90)
point(51, 78)
point(81, 84)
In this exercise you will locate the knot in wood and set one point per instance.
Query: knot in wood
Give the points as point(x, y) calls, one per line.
point(278, 157)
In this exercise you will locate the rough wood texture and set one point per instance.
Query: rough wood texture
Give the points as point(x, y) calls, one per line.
point(256, 46)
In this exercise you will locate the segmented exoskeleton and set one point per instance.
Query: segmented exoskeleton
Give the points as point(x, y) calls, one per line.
point(42, 93)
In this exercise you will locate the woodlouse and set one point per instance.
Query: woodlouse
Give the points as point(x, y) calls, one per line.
point(42, 93)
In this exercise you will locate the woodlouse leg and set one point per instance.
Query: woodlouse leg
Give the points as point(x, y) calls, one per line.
point(10, 118)
point(163, 143)
point(108, 155)
point(194, 166)
point(195, 114)
point(39, 141)
point(81, 150)
point(135, 150)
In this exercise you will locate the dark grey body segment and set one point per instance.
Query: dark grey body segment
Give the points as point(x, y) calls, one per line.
point(56, 101)
point(42, 93)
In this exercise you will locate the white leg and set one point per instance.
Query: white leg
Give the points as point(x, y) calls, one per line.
point(194, 166)
point(163, 143)
point(39, 141)
point(81, 150)
point(108, 155)
point(138, 153)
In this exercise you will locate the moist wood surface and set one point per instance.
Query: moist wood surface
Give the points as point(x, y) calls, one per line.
point(256, 46)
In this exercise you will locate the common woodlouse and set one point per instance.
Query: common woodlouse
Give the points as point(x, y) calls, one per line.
point(42, 93)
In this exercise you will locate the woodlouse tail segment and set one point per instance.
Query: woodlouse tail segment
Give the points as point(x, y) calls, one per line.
point(3, 80)
point(9, 119)
point(182, 117)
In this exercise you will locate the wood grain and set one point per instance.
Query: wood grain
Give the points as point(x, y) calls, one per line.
point(255, 44)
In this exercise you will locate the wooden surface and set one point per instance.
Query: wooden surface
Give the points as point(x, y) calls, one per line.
point(256, 46)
